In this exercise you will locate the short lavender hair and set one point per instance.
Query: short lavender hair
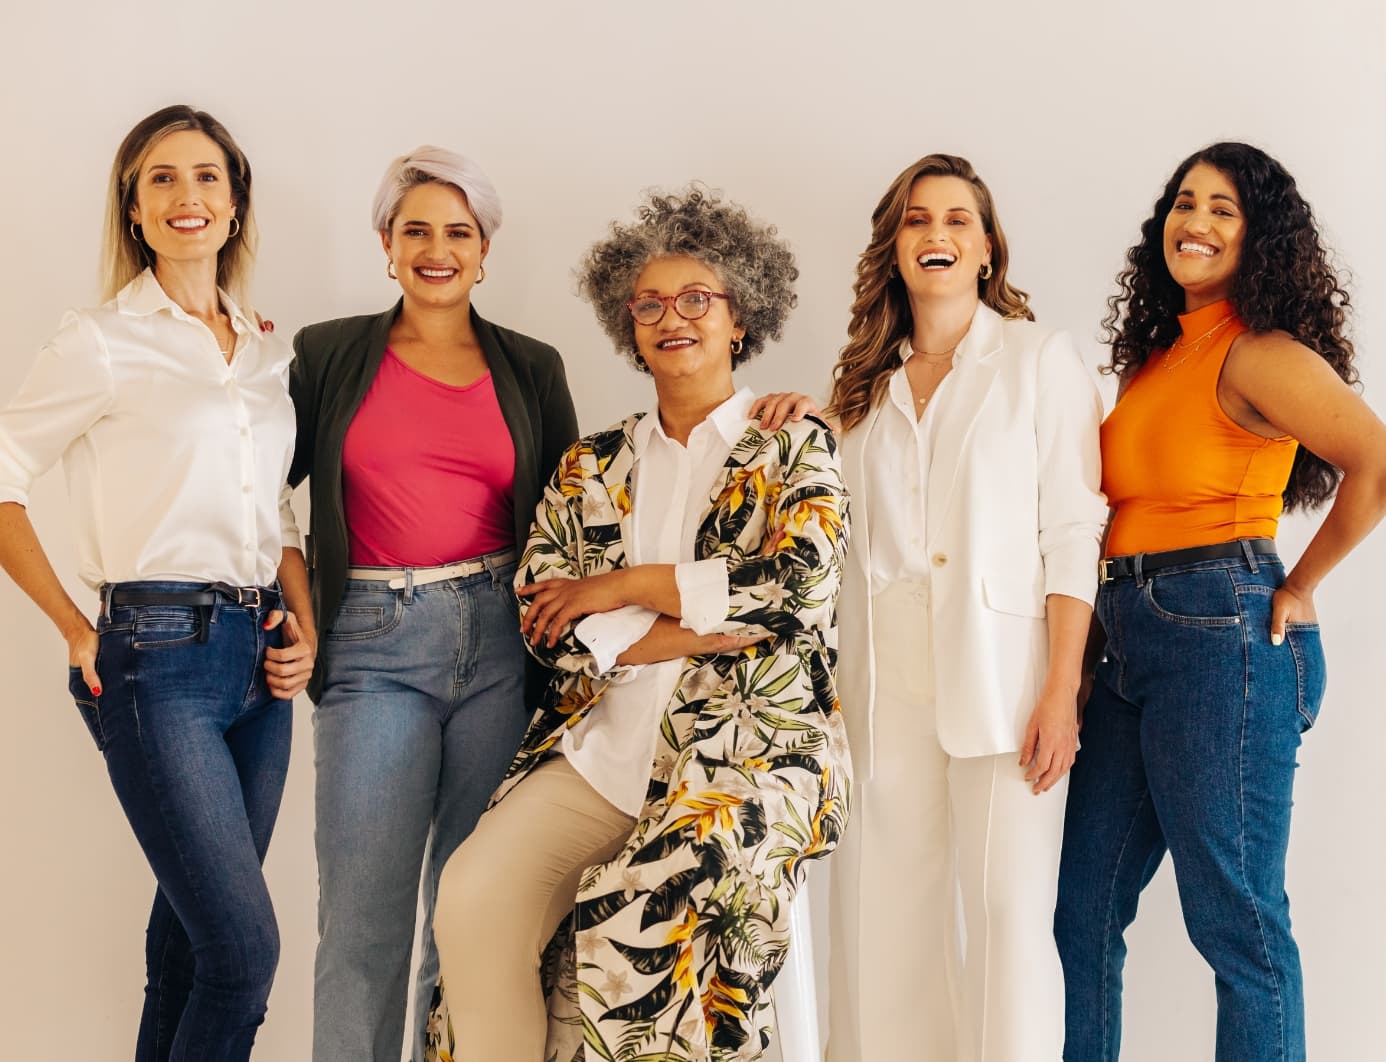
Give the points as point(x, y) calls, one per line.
point(428, 164)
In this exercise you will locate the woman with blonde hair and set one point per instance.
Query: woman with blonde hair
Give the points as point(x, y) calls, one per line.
point(170, 409)
point(970, 450)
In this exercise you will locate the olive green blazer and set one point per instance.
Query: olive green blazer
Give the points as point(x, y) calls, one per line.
point(336, 364)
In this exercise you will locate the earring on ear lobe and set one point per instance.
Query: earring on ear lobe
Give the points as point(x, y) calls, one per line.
point(640, 361)
point(736, 347)
point(480, 274)
point(390, 268)
point(985, 271)
point(133, 234)
point(233, 235)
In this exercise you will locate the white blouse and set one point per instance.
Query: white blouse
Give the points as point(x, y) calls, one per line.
point(613, 746)
point(896, 457)
point(176, 461)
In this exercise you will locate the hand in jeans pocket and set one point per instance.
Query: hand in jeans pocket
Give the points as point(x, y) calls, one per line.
point(86, 705)
point(82, 647)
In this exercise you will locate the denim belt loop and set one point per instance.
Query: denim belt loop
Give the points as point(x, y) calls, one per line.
point(106, 590)
point(492, 569)
point(1139, 573)
point(408, 586)
point(1250, 554)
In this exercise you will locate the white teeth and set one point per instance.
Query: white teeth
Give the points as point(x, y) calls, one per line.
point(936, 260)
point(1197, 248)
point(189, 223)
point(437, 272)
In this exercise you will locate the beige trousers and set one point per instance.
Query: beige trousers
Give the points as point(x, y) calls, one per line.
point(905, 986)
point(502, 895)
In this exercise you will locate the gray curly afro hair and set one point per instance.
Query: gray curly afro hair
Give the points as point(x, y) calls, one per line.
point(753, 263)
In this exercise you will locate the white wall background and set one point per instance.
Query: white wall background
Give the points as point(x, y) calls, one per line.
point(1074, 112)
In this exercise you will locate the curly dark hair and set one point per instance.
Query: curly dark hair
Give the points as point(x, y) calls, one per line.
point(1284, 282)
point(752, 262)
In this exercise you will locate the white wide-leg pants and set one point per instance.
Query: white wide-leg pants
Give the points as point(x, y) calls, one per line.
point(926, 827)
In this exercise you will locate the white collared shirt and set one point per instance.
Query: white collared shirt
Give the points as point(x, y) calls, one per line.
point(613, 747)
point(176, 462)
point(897, 456)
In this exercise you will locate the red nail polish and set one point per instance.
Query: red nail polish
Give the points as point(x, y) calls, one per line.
point(265, 625)
point(96, 690)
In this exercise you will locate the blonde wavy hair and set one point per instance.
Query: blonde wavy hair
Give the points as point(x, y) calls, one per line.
point(881, 315)
point(123, 257)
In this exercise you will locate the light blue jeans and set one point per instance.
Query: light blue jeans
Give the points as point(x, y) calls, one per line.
point(422, 710)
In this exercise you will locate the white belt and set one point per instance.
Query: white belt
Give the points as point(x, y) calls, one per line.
point(399, 578)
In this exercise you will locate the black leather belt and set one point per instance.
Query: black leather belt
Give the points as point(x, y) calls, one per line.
point(248, 596)
point(1126, 567)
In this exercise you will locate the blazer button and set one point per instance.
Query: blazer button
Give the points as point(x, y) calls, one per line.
point(940, 559)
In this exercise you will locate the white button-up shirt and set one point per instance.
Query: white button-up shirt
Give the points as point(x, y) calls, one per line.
point(896, 459)
point(613, 746)
point(176, 461)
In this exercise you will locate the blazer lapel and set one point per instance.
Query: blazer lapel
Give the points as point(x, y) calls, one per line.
point(516, 416)
point(977, 366)
point(854, 464)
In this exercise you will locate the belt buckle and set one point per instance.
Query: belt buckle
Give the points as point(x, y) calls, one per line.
point(243, 596)
point(1104, 574)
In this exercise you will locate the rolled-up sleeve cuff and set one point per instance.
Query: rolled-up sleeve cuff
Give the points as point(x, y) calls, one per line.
point(609, 634)
point(1073, 574)
point(704, 596)
point(290, 537)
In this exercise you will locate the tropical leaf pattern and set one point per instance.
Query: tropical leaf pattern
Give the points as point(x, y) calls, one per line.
point(674, 942)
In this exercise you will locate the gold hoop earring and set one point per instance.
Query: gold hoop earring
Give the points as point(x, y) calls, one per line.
point(390, 268)
point(985, 271)
point(237, 222)
point(736, 345)
point(480, 274)
point(133, 234)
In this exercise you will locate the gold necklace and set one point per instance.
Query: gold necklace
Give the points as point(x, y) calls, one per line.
point(1190, 349)
point(933, 353)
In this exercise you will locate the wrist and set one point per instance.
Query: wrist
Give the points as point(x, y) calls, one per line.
point(1064, 685)
point(75, 626)
point(1299, 585)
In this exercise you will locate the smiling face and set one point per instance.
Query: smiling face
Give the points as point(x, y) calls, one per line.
point(941, 245)
point(436, 245)
point(183, 201)
point(676, 348)
point(1203, 235)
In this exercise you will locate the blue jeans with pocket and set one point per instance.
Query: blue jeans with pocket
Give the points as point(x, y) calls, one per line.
point(197, 750)
point(1189, 744)
point(422, 711)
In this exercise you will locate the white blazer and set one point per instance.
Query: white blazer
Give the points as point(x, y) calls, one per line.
point(1014, 513)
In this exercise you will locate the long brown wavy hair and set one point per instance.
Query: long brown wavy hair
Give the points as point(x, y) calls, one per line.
point(881, 309)
point(1285, 281)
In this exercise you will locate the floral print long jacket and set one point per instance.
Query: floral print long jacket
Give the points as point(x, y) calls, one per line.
point(678, 937)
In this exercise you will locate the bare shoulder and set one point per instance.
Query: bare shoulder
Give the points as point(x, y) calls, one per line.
point(1261, 352)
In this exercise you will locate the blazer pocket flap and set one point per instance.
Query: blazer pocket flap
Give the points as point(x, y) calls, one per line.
point(1013, 597)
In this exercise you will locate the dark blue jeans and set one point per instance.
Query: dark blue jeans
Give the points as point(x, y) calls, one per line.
point(1189, 745)
point(197, 750)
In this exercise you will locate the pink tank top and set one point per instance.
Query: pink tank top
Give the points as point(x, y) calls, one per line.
point(428, 471)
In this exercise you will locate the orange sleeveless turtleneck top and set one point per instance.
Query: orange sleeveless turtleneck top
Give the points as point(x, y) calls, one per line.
point(1176, 469)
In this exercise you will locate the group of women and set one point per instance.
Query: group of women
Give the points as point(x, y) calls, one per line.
point(610, 828)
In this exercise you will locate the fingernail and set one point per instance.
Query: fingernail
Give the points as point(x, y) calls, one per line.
point(96, 690)
point(1276, 639)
